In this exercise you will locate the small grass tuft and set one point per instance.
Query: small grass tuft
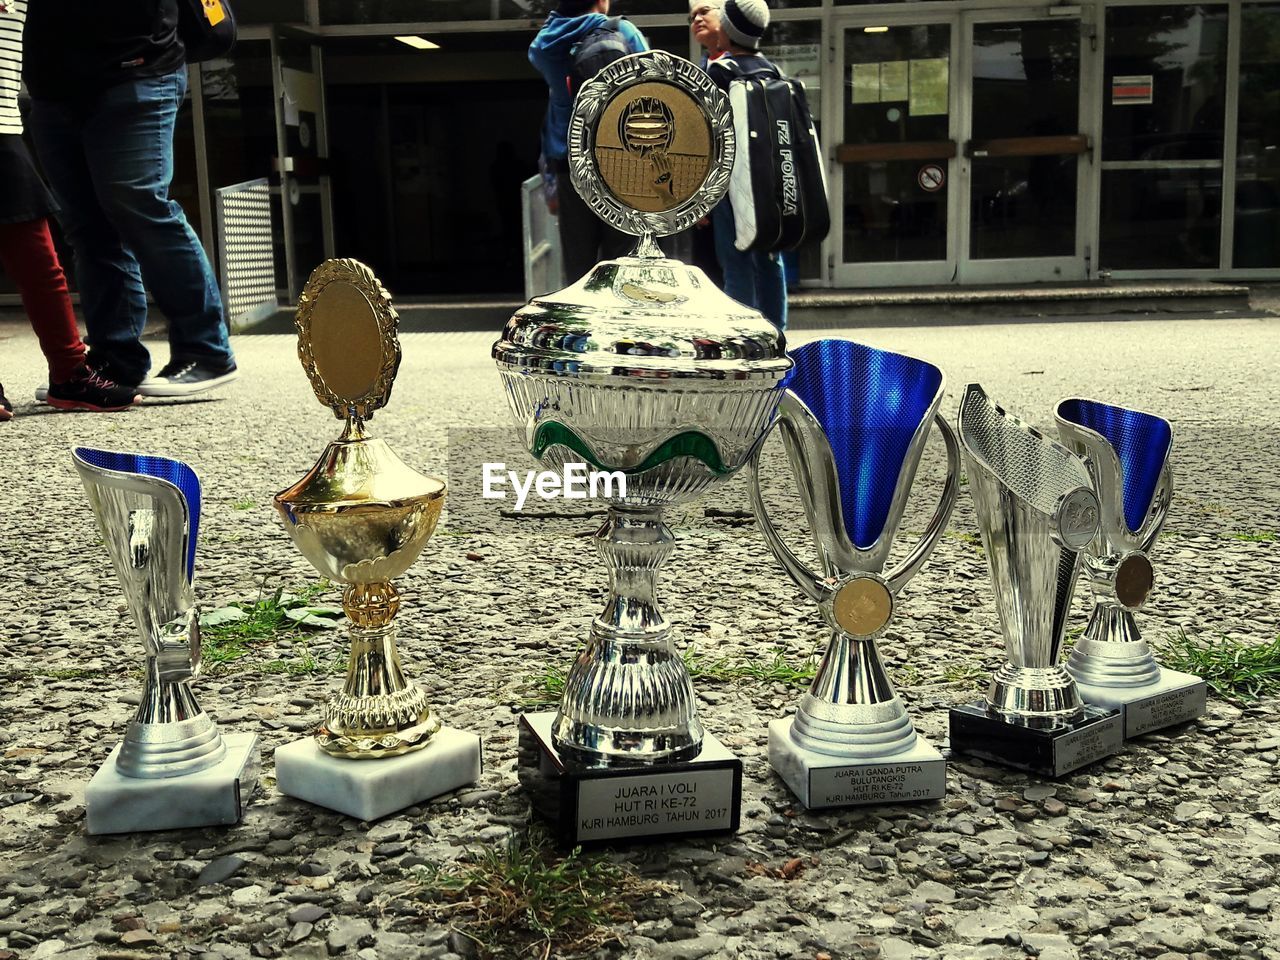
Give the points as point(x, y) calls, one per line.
point(967, 674)
point(1235, 670)
point(522, 899)
point(231, 633)
point(1254, 536)
point(735, 670)
point(907, 675)
point(244, 505)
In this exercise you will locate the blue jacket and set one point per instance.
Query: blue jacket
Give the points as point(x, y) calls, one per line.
point(549, 52)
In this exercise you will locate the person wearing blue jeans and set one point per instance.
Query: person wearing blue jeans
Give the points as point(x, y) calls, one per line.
point(105, 99)
point(750, 276)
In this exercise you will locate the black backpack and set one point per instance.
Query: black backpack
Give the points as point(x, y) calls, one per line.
point(207, 28)
point(595, 51)
point(779, 184)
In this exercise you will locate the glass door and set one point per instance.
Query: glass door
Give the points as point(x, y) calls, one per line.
point(302, 153)
point(1022, 171)
point(896, 153)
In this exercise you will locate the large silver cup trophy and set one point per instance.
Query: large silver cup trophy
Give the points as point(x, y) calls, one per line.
point(855, 421)
point(174, 768)
point(1128, 456)
point(641, 368)
point(1036, 510)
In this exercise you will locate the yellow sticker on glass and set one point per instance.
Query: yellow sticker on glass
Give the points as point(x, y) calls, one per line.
point(213, 12)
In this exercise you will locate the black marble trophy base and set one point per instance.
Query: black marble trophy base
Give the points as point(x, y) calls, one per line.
point(594, 804)
point(1052, 753)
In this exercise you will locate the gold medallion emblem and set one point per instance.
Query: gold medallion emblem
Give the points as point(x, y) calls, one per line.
point(653, 146)
point(862, 607)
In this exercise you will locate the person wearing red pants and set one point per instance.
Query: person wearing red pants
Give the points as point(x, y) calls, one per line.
point(27, 252)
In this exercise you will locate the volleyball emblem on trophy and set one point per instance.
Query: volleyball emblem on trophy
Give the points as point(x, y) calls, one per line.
point(653, 147)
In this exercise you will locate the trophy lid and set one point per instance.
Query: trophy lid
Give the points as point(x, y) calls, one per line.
point(651, 147)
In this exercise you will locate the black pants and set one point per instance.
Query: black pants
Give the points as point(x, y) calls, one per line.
point(585, 239)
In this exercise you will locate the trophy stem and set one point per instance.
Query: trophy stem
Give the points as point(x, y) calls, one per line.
point(378, 713)
point(628, 696)
point(851, 709)
point(1111, 652)
point(170, 736)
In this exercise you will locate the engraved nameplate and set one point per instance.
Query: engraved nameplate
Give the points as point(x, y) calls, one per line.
point(662, 803)
point(1082, 747)
point(879, 783)
point(1165, 709)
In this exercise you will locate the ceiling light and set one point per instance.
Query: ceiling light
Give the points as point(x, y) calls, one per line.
point(419, 43)
point(875, 29)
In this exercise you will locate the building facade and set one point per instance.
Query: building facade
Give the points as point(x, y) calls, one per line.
point(970, 141)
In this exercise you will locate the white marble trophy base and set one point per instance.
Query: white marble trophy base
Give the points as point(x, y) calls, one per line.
point(370, 789)
point(217, 796)
point(823, 781)
point(1174, 698)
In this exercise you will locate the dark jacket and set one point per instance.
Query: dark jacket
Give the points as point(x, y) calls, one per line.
point(75, 47)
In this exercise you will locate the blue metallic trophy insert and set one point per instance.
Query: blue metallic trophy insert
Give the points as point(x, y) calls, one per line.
point(1037, 511)
point(854, 421)
point(1128, 456)
point(174, 768)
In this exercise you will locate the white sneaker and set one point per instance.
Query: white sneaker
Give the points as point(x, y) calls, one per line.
point(186, 379)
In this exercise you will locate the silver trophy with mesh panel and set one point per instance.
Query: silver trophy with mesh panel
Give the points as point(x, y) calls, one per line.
point(1036, 510)
point(855, 421)
point(1128, 456)
point(174, 768)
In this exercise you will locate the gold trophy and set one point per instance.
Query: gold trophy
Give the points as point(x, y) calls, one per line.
point(362, 517)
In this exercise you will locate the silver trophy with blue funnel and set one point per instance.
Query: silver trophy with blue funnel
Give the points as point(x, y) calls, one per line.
point(1037, 511)
point(855, 421)
point(1128, 456)
point(174, 768)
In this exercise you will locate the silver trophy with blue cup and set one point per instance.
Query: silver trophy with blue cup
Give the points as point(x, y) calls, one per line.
point(1128, 455)
point(174, 767)
point(855, 421)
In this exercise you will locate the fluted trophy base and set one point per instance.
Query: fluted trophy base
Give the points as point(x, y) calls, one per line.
point(1051, 751)
point(213, 796)
point(593, 803)
point(368, 791)
point(379, 713)
point(1172, 699)
point(821, 780)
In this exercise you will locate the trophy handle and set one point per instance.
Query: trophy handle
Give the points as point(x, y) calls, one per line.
point(808, 581)
point(1159, 509)
point(903, 572)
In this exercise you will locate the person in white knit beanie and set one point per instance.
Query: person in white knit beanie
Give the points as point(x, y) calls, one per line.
point(743, 22)
point(752, 277)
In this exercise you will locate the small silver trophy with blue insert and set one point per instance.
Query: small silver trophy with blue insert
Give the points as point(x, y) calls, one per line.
point(855, 421)
point(1128, 456)
point(174, 768)
point(1036, 510)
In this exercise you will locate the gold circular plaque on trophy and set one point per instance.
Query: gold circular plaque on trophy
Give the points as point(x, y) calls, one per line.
point(347, 338)
point(651, 144)
point(863, 606)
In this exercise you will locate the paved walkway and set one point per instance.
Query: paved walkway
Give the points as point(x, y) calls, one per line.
point(1171, 848)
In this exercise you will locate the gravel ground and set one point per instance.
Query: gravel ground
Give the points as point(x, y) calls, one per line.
point(1170, 849)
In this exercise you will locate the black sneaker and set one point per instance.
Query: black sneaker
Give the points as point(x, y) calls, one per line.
point(182, 378)
point(6, 408)
point(89, 390)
